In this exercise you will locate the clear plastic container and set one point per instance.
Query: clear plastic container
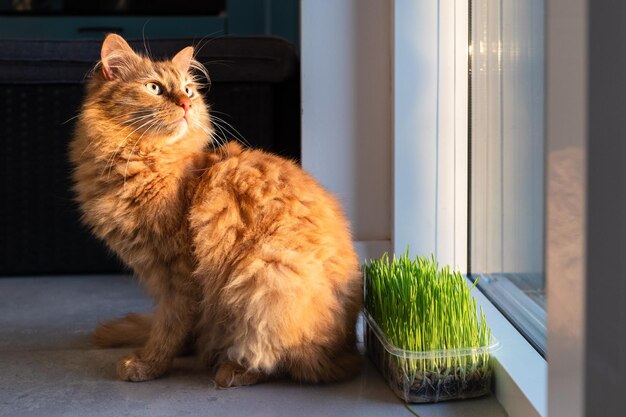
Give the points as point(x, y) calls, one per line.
point(432, 376)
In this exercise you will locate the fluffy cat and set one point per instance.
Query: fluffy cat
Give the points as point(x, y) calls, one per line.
point(245, 254)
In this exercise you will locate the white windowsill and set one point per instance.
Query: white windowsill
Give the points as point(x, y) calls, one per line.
point(521, 373)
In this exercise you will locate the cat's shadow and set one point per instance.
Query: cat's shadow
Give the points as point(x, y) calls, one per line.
point(187, 373)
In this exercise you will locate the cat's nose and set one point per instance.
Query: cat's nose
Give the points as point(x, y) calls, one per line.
point(184, 102)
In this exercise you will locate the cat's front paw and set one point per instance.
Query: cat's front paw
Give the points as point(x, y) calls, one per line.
point(133, 368)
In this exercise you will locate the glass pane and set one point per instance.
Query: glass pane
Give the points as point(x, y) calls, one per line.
point(507, 159)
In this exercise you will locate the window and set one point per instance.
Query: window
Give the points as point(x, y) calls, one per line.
point(506, 158)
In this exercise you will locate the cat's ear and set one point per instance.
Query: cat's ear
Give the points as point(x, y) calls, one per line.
point(116, 55)
point(182, 60)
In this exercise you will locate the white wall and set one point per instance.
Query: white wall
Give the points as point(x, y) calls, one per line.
point(346, 110)
point(385, 124)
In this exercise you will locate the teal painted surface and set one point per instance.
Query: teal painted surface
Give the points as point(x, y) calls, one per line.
point(243, 18)
point(265, 17)
point(284, 18)
point(246, 17)
point(90, 27)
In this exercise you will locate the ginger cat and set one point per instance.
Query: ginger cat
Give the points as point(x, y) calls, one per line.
point(245, 254)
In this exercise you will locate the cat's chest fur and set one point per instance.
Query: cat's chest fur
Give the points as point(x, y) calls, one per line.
point(143, 217)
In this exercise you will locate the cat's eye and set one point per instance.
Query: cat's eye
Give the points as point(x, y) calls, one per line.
point(189, 91)
point(154, 88)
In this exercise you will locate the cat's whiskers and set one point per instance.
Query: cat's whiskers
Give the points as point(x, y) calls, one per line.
point(111, 162)
point(224, 139)
point(236, 134)
point(71, 118)
point(159, 127)
point(146, 45)
point(197, 66)
point(163, 123)
point(160, 124)
point(93, 140)
point(113, 118)
point(208, 38)
point(208, 131)
point(133, 150)
point(220, 144)
point(135, 120)
point(222, 148)
point(203, 128)
point(218, 138)
point(140, 112)
point(131, 122)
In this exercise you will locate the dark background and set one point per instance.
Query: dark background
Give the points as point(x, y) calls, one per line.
point(45, 54)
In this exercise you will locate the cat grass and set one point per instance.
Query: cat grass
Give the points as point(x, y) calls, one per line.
point(424, 331)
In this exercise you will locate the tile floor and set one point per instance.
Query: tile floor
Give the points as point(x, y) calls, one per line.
point(48, 368)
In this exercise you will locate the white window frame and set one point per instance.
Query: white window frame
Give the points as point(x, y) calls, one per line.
point(440, 153)
point(365, 101)
point(430, 87)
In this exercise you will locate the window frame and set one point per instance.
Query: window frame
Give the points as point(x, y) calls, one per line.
point(442, 213)
point(575, 317)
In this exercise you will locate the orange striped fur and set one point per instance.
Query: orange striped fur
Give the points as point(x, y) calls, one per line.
point(242, 250)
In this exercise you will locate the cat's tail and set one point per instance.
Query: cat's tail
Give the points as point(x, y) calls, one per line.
point(131, 330)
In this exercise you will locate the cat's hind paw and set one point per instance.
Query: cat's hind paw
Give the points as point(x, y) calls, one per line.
point(231, 374)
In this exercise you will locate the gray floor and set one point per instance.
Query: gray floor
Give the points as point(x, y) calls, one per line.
point(47, 367)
